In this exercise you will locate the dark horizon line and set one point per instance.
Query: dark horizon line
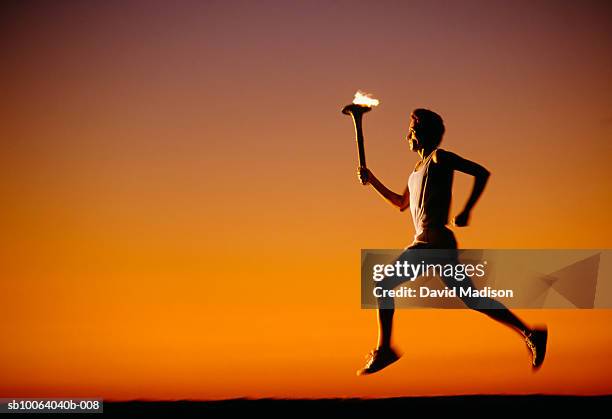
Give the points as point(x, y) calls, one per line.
point(365, 399)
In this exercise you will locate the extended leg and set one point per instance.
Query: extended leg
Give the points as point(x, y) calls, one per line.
point(384, 355)
point(535, 338)
point(385, 327)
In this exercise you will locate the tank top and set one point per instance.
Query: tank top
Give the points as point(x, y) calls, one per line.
point(430, 186)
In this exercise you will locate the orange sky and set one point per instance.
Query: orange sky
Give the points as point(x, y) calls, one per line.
point(182, 216)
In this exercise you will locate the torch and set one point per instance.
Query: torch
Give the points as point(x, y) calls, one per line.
point(361, 104)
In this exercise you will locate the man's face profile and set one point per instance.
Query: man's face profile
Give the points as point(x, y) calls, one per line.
point(413, 141)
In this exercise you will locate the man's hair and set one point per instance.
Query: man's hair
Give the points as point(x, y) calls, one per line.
point(428, 125)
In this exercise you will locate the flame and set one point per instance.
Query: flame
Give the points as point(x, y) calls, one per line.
point(365, 99)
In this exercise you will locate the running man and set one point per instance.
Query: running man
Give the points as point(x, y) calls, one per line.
point(428, 196)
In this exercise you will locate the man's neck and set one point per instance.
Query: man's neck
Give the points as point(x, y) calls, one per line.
point(424, 153)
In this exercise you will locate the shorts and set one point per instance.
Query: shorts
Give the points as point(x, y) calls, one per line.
point(434, 238)
point(429, 239)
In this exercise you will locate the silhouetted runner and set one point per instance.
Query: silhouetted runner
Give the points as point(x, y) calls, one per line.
point(428, 195)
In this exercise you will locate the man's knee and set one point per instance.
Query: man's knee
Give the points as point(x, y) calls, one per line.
point(472, 303)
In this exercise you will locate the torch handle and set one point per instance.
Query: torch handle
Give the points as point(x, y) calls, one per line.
point(359, 137)
point(357, 111)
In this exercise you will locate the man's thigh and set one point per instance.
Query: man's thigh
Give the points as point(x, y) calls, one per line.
point(412, 255)
point(419, 253)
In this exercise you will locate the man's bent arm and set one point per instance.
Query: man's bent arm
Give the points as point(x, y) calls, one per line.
point(480, 182)
point(400, 201)
point(481, 176)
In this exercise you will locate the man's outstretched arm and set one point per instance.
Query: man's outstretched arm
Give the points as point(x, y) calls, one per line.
point(481, 176)
point(400, 201)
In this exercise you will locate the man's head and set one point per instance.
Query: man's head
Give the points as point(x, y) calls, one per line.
point(426, 130)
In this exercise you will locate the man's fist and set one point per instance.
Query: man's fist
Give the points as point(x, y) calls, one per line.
point(461, 219)
point(364, 175)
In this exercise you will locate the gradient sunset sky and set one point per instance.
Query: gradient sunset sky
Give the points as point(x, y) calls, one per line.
point(181, 212)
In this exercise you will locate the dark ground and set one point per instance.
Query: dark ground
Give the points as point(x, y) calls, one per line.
point(474, 406)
